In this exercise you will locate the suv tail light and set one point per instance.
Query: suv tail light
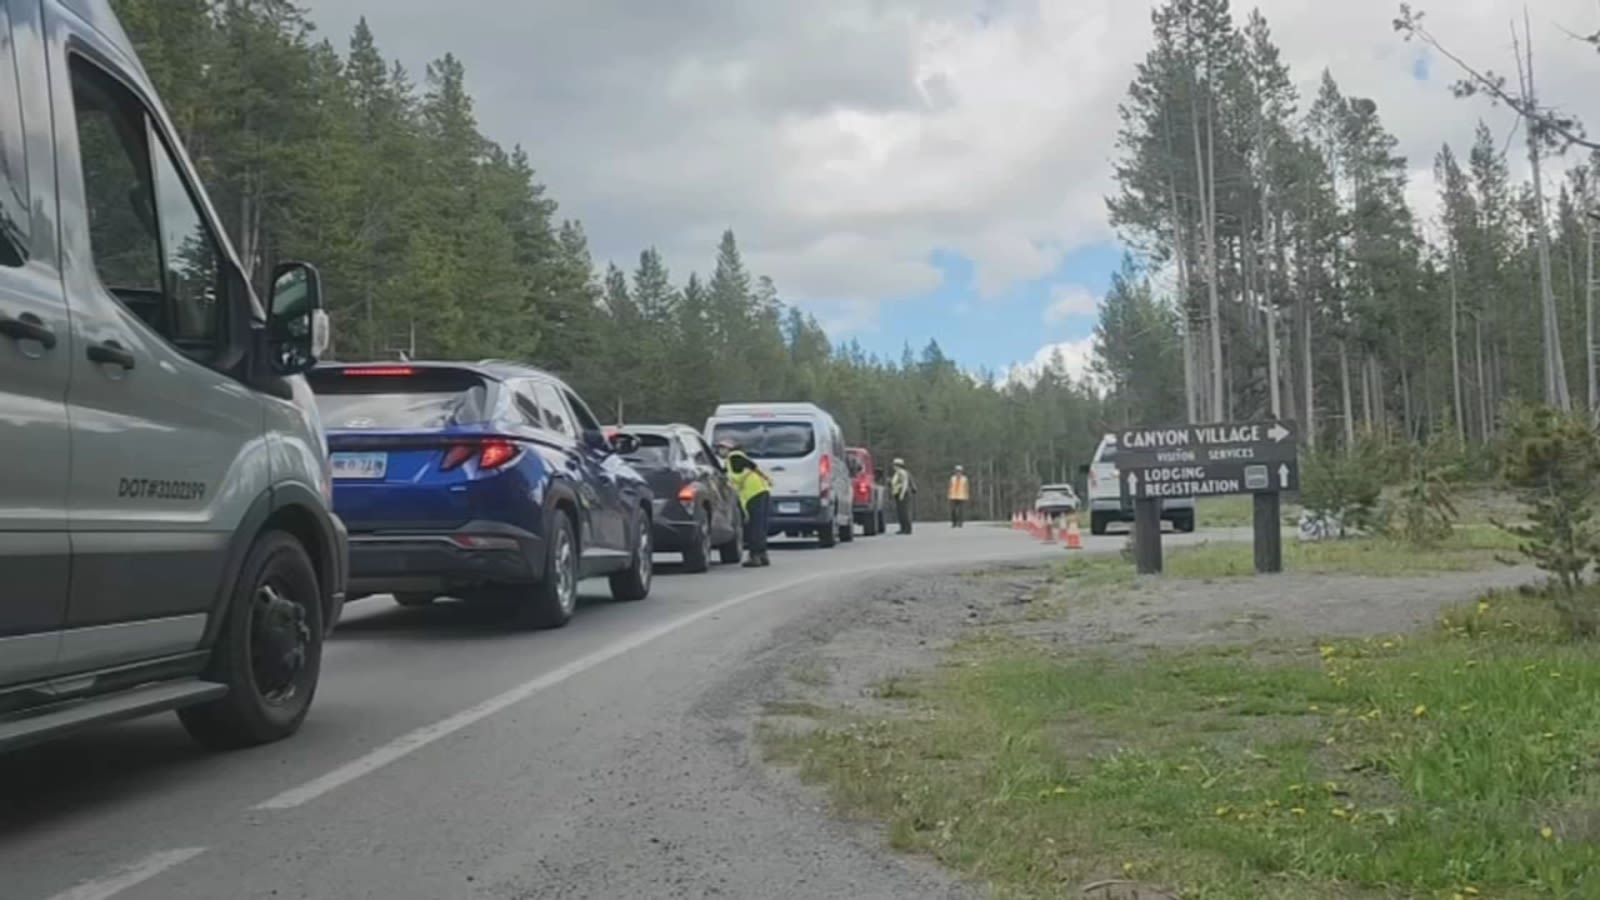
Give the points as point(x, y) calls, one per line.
point(492, 454)
point(825, 474)
point(687, 493)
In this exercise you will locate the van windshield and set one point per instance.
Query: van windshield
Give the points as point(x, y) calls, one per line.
point(769, 440)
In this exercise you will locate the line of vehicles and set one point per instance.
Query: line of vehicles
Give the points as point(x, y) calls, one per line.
point(190, 498)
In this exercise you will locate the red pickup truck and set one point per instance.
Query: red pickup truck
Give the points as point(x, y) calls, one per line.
point(866, 491)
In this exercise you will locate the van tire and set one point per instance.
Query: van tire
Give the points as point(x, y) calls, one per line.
point(1184, 523)
point(277, 597)
point(847, 531)
point(827, 535)
point(1097, 523)
point(550, 602)
point(869, 528)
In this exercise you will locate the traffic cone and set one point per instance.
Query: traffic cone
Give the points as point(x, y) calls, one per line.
point(1074, 539)
point(1048, 535)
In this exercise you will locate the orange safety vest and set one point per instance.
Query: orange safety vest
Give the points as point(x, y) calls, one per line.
point(958, 487)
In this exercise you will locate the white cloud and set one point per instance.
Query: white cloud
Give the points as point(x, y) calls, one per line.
point(1070, 301)
point(1070, 358)
point(845, 142)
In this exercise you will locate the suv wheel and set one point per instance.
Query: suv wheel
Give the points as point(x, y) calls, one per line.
point(847, 531)
point(633, 583)
point(697, 555)
point(732, 552)
point(269, 652)
point(413, 599)
point(551, 602)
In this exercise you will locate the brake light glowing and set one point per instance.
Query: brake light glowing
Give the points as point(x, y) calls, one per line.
point(492, 454)
point(382, 371)
point(496, 454)
point(825, 474)
point(687, 493)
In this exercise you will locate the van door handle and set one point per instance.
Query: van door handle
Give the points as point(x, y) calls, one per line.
point(110, 353)
point(28, 327)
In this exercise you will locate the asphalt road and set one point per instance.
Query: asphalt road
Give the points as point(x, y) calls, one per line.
point(445, 758)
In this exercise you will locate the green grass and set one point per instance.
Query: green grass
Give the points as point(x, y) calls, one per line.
point(1457, 763)
point(1235, 512)
point(1470, 547)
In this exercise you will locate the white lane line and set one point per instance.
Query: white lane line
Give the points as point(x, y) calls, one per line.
point(130, 875)
point(427, 734)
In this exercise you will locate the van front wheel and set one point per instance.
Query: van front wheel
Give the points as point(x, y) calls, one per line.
point(269, 653)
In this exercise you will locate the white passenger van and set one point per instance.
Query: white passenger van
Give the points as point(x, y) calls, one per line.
point(802, 448)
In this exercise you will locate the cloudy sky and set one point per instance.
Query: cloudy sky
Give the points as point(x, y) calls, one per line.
point(904, 169)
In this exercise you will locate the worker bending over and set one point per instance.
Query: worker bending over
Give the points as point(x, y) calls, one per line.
point(755, 498)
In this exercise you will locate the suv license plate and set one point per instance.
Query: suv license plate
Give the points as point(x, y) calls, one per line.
point(792, 509)
point(360, 465)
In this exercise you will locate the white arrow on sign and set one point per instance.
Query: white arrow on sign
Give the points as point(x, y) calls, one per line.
point(1133, 484)
point(1277, 433)
point(1283, 475)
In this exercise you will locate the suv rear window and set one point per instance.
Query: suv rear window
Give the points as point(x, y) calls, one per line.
point(654, 450)
point(1107, 452)
point(769, 440)
point(399, 398)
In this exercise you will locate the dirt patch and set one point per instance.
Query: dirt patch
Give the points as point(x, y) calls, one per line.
point(904, 626)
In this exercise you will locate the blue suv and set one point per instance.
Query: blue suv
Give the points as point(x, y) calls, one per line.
point(488, 481)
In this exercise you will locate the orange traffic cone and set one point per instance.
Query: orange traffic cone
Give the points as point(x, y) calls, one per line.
point(1073, 540)
point(1048, 535)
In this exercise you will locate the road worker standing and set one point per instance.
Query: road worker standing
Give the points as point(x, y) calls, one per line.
point(755, 499)
point(959, 493)
point(904, 488)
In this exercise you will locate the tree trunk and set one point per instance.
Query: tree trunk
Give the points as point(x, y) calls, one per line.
point(1556, 393)
point(1588, 314)
point(1484, 430)
point(1344, 388)
point(1208, 259)
point(1455, 352)
point(1366, 390)
point(1219, 392)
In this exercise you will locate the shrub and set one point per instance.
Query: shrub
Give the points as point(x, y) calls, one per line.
point(1342, 488)
point(1424, 511)
point(1552, 459)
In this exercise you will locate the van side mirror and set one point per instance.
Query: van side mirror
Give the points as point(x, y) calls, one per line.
point(297, 325)
point(625, 443)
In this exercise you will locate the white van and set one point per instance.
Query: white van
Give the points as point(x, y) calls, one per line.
point(1105, 494)
point(801, 447)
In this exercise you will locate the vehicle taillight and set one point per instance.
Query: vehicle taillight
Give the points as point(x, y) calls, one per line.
point(381, 371)
point(825, 474)
point(491, 455)
point(687, 493)
point(863, 487)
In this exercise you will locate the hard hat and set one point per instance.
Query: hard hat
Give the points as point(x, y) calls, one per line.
point(898, 461)
point(958, 468)
point(728, 443)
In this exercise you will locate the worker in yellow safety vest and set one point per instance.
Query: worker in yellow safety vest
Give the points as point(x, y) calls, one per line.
point(755, 499)
point(959, 494)
point(903, 488)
